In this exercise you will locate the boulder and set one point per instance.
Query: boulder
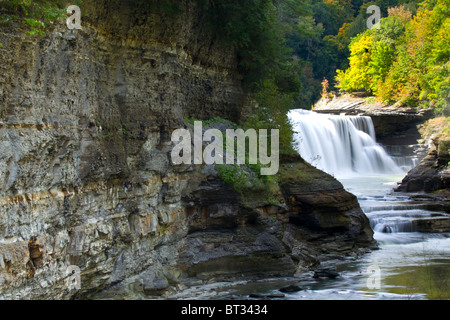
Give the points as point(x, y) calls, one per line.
point(290, 289)
point(325, 273)
point(432, 225)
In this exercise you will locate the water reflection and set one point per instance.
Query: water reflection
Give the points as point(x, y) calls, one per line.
point(418, 269)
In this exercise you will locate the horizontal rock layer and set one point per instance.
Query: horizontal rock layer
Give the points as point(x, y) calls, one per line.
point(86, 179)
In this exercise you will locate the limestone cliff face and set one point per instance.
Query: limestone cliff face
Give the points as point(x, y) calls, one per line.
point(85, 175)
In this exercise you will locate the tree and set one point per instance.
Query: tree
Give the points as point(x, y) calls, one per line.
point(406, 61)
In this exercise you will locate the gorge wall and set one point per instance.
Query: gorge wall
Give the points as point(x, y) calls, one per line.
point(85, 174)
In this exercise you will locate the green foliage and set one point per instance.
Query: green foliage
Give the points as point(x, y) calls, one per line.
point(372, 55)
point(406, 61)
point(35, 15)
point(322, 40)
point(380, 64)
point(246, 179)
point(357, 76)
point(36, 26)
point(271, 113)
point(254, 28)
point(235, 175)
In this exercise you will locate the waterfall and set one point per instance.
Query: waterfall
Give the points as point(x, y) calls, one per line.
point(391, 226)
point(340, 145)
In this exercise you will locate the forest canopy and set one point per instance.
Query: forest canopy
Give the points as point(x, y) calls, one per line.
point(406, 60)
point(290, 51)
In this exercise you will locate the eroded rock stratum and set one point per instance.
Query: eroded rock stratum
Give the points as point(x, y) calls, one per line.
point(86, 179)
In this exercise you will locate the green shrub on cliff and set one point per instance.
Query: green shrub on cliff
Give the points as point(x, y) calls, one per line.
point(271, 113)
point(244, 178)
point(36, 26)
point(247, 181)
point(35, 15)
point(238, 176)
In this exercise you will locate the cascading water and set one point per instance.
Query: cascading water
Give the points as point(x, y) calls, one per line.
point(340, 145)
point(346, 147)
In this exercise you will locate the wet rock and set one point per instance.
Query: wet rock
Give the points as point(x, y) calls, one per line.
point(155, 286)
point(230, 254)
point(334, 214)
point(257, 295)
point(290, 289)
point(230, 240)
point(432, 225)
point(432, 174)
point(267, 296)
point(276, 296)
point(325, 273)
point(85, 145)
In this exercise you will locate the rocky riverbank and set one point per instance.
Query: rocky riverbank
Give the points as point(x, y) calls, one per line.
point(232, 236)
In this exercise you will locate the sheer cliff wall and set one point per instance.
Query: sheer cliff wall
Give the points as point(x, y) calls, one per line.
point(86, 180)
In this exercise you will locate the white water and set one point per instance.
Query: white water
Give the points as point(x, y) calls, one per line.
point(346, 147)
point(412, 265)
point(342, 146)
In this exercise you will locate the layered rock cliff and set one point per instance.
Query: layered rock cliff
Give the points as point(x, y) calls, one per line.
point(86, 179)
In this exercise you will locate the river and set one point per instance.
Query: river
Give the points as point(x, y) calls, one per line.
point(407, 265)
point(411, 265)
